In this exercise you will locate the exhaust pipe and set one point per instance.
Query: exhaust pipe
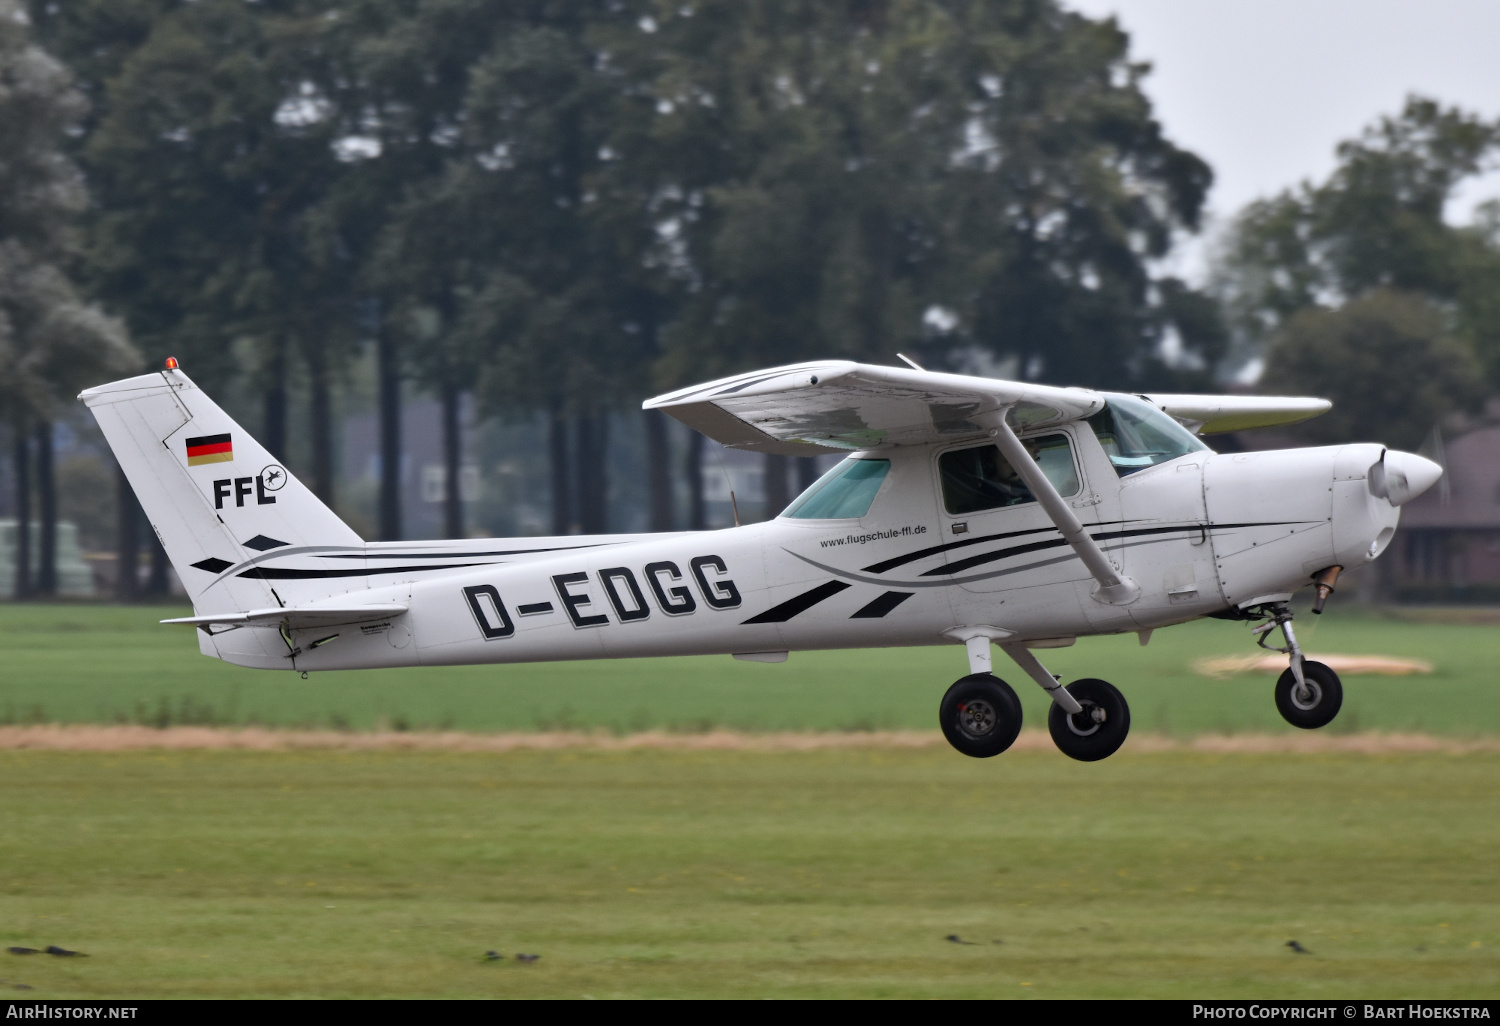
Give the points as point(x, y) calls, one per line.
point(1325, 579)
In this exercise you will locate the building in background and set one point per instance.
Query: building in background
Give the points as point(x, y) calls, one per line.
point(1447, 548)
point(75, 578)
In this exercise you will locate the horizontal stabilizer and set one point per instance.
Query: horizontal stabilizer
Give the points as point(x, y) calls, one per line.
point(295, 616)
point(1216, 414)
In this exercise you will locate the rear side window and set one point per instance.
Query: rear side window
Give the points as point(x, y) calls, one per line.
point(845, 491)
point(980, 478)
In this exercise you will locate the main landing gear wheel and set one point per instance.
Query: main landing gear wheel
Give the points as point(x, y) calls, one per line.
point(980, 715)
point(1314, 705)
point(1099, 730)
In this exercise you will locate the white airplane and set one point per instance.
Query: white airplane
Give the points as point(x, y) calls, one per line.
point(968, 511)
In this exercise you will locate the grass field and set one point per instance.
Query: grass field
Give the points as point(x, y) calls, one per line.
point(102, 664)
point(823, 873)
point(661, 872)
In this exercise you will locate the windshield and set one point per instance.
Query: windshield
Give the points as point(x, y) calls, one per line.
point(1137, 435)
point(845, 491)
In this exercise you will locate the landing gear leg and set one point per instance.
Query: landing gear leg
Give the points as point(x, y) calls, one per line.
point(1308, 693)
point(980, 715)
point(1089, 718)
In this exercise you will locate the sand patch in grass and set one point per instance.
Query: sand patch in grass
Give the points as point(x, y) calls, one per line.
point(1222, 667)
point(124, 738)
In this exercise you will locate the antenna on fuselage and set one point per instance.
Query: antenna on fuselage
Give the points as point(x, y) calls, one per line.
point(913, 364)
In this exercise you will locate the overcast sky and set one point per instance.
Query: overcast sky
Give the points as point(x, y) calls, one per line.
point(1264, 89)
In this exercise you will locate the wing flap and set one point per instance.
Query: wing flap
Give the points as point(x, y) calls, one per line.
point(1217, 414)
point(839, 406)
point(295, 616)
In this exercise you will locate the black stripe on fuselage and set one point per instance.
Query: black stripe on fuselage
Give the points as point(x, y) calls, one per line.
point(933, 550)
point(276, 573)
point(458, 555)
point(882, 605)
point(1103, 536)
point(801, 603)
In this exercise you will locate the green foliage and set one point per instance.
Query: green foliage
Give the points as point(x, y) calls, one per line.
point(1477, 270)
point(1385, 360)
point(1376, 224)
point(209, 162)
point(587, 197)
point(1381, 214)
point(51, 341)
point(850, 167)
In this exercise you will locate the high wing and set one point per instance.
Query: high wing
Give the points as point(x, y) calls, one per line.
point(1216, 414)
point(838, 406)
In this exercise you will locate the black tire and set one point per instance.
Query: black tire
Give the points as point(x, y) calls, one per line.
point(980, 715)
point(1098, 731)
point(1313, 710)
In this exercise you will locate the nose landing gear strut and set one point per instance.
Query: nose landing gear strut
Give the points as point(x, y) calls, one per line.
point(1308, 693)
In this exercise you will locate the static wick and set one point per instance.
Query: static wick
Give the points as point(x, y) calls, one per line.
point(734, 506)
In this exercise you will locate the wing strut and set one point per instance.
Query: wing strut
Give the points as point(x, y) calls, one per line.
point(1114, 588)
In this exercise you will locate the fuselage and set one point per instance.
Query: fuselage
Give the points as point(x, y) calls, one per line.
point(1199, 533)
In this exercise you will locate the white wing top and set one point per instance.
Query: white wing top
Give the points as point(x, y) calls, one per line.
point(836, 405)
point(1216, 414)
point(839, 406)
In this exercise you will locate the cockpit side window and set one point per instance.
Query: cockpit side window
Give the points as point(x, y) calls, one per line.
point(1136, 435)
point(845, 492)
point(980, 478)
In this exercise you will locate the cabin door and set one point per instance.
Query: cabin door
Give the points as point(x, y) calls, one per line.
point(1000, 538)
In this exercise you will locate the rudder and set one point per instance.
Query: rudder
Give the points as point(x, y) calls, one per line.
point(215, 497)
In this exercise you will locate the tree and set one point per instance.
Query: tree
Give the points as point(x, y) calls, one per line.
point(212, 162)
point(1066, 190)
point(51, 342)
point(560, 193)
point(1386, 360)
point(845, 171)
point(1376, 223)
point(398, 90)
point(1476, 264)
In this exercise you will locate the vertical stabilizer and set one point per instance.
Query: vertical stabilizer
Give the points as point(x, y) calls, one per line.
point(215, 497)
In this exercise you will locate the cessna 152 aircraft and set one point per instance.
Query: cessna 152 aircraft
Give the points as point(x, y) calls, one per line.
point(968, 511)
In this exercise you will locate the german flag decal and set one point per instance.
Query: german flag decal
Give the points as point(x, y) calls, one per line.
point(210, 449)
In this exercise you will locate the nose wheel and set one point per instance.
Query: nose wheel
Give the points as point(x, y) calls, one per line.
point(1098, 730)
point(1308, 694)
point(980, 715)
point(1314, 701)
